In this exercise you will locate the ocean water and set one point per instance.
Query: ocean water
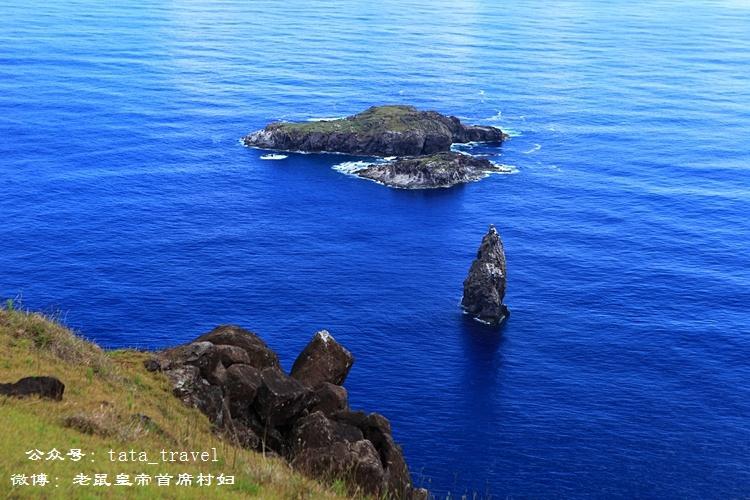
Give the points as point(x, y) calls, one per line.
point(129, 208)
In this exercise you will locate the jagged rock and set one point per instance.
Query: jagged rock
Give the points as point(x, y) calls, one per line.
point(241, 434)
point(318, 449)
point(356, 462)
point(234, 378)
point(44, 387)
point(378, 131)
point(322, 360)
point(281, 398)
point(241, 388)
point(202, 355)
point(259, 354)
point(231, 354)
point(484, 287)
point(317, 431)
point(194, 390)
point(440, 170)
point(218, 376)
point(331, 398)
point(355, 418)
point(377, 429)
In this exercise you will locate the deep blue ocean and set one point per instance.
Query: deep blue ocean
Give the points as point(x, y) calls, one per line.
point(129, 208)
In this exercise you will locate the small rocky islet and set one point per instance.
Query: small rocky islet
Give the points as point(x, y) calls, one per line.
point(416, 145)
point(439, 170)
point(484, 287)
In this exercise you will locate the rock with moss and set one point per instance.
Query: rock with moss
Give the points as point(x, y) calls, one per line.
point(378, 131)
point(440, 170)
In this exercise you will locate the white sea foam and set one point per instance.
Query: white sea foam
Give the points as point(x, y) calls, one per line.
point(463, 148)
point(536, 147)
point(462, 152)
point(498, 117)
point(325, 118)
point(350, 167)
point(273, 157)
point(505, 169)
point(495, 118)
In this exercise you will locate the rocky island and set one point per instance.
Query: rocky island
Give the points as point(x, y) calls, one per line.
point(484, 287)
point(419, 140)
point(440, 170)
point(378, 131)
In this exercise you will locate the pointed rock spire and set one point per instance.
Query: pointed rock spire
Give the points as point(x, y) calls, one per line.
point(484, 287)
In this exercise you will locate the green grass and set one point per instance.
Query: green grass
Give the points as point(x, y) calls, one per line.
point(396, 118)
point(112, 402)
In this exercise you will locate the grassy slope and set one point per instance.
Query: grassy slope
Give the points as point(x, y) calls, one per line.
point(103, 392)
point(375, 119)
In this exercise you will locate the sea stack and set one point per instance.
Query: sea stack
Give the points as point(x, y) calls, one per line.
point(484, 287)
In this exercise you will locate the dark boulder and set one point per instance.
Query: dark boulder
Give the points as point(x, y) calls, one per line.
point(218, 376)
point(259, 354)
point(377, 429)
point(241, 388)
point(316, 431)
point(243, 435)
point(194, 390)
point(202, 355)
point(331, 398)
point(358, 463)
point(322, 360)
point(355, 418)
point(281, 398)
point(44, 387)
point(231, 355)
point(484, 287)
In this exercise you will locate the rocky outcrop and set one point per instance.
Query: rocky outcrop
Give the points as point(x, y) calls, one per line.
point(44, 387)
point(233, 377)
point(378, 131)
point(484, 287)
point(439, 170)
point(260, 355)
point(323, 360)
